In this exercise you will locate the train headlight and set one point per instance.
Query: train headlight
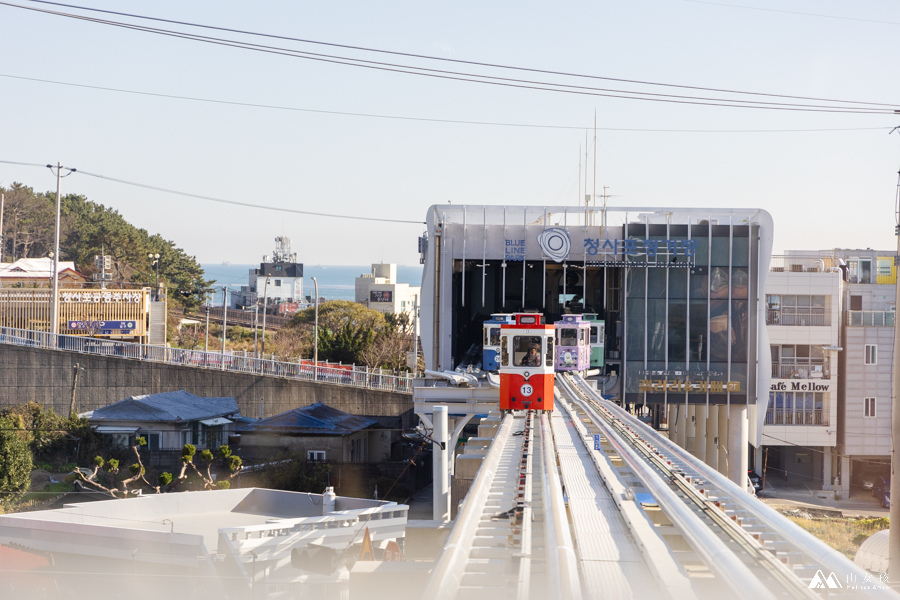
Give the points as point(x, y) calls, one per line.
point(527, 374)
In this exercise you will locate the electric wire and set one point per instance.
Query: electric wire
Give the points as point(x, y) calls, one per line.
point(870, 108)
point(230, 202)
point(425, 119)
point(441, 59)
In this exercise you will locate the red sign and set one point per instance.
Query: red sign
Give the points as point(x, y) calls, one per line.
point(392, 552)
point(288, 308)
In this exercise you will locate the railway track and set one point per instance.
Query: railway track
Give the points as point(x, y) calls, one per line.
point(747, 549)
point(511, 538)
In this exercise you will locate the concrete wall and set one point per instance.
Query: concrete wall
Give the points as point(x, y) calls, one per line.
point(45, 376)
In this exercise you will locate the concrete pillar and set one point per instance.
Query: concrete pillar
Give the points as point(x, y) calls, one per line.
point(826, 468)
point(738, 439)
point(681, 432)
point(845, 475)
point(690, 431)
point(672, 417)
point(700, 432)
point(722, 446)
point(712, 432)
point(441, 466)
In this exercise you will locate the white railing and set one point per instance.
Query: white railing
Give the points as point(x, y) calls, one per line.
point(870, 318)
point(306, 370)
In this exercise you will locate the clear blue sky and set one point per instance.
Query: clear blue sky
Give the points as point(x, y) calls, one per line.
point(828, 179)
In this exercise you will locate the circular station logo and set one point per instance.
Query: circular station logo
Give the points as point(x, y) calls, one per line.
point(527, 390)
point(555, 243)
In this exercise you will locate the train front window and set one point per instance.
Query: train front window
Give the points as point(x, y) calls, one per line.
point(549, 359)
point(568, 337)
point(527, 351)
point(494, 337)
point(594, 334)
point(504, 352)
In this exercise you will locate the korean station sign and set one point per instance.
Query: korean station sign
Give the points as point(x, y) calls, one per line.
point(101, 297)
point(556, 244)
point(684, 385)
point(103, 325)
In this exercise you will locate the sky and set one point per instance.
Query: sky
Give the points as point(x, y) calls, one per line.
point(267, 129)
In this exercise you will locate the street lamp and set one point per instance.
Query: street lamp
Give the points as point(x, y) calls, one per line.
point(316, 334)
point(155, 259)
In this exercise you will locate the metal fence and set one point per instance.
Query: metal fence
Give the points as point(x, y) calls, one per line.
point(781, 416)
point(306, 370)
point(870, 318)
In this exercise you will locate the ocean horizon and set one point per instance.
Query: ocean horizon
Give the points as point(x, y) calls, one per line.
point(336, 282)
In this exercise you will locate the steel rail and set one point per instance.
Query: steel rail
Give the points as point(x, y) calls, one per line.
point(447, 575)
point(713, 509)
point(562, 563)
point(823, 556)
point(730, 569)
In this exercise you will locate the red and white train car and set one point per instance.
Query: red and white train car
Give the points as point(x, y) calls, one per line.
point(526, 364)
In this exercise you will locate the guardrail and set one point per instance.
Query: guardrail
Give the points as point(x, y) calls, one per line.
point(305, 370)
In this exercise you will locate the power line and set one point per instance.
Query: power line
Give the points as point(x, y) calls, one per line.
point(869, 108)
point(231, 202)
point(426, 119)
point(789, 12)
point(433, 58)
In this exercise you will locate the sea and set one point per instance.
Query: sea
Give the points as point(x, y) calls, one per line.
point(336, 282)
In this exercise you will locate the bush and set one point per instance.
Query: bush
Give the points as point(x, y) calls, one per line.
point(15, 458)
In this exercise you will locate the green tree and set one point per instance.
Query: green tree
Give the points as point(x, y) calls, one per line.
point(15, 458)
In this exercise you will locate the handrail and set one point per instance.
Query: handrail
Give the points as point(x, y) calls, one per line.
point(304, 370)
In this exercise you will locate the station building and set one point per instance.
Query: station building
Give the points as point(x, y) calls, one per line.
point(682, 293)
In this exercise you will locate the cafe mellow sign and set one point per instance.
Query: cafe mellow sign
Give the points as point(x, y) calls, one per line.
point(800, 385)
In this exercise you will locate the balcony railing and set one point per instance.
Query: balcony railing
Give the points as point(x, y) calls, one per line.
point(801, 316)
point(785, 370)
point(307, 370)
point(870, 318)
point(802, 264)
point(777, 416)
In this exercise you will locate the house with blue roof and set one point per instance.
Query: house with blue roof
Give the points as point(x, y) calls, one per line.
point(321, 433)
point(168, 420)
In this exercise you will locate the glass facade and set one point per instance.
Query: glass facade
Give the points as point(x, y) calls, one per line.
point(690, 328)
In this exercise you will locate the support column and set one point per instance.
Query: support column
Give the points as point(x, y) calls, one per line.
point(845, 475)
point(826, 468)
point(722, 446)
point(672, 419)
point(680, 433)
point(700, 432)
point(738, 439)
point(712, 432)
point(690, 431)
point(440, 467)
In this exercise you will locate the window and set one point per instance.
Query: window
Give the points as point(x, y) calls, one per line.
point(871, 354)
point(568, 337)
point(315, 455)
point(855, 302)
point(526, 351)
point(549, 356)
point(884, 267)
point(152, 441)
point(869, 406)
point(277, 283)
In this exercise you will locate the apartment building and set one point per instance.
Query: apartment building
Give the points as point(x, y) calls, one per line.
point(830, 320)
point(803, 319)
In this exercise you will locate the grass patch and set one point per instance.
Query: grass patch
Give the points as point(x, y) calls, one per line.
point(48, 493)
point(845, 535)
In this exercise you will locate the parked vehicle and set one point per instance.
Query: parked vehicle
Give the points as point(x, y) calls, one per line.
point(755, 481)
point(882, 490)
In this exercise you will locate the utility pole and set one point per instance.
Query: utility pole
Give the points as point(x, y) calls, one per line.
point(224, 320)
point(2, 203)
point(316, 334)
point(894, 536)
point(77, 367)
point(265, 311)
point(54, 301)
